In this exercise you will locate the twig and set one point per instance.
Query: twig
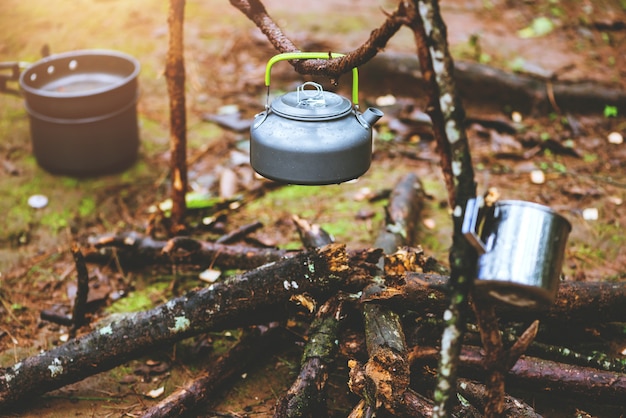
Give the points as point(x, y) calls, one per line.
point(82, 290)
point(183, 401)
point(239, 233)
point(494, 358)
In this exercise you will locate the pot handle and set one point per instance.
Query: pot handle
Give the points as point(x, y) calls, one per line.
point(14, 69)
point(311, 55)
point(470, 223)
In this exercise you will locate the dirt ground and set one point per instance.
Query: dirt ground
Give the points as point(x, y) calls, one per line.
point(580, 157)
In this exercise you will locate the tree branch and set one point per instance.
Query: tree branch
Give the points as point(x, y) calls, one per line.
point(256, 12)
point(257, 296)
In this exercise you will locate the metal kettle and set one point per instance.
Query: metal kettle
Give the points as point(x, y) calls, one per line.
point(311, 136)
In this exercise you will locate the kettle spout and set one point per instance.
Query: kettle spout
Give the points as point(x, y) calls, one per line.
point(371, 115)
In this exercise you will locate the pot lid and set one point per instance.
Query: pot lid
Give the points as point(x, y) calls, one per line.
point(310, 104)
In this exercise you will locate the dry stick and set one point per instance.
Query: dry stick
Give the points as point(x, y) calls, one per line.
point(257, 296)
point(76, 320)
point(447, 114)
point(239, 233)
point(497, 360)
point(136, 249)
point(175, 76)
point(257, 339)
point(82, 290)
point(311, 235)
point(494, 362)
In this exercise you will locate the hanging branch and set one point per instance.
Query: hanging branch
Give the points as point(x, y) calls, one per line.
point(175, 75)
point(255, 11)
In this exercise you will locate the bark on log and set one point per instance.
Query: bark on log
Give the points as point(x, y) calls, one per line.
point(202, 388)
point(401, 214)
point(565, 355)
point(497, 359)
point(383, 332)
point(256, 296)
point(307, 395)
point(576, 302)
point(538, 374)
point(476, 394)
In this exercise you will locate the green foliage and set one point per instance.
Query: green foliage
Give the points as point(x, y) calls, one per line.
point(610, 111)
point(540, 26)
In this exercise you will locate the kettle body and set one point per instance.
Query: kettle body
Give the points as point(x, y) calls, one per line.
point(312, 137)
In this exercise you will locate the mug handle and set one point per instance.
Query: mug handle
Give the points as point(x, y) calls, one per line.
point(312, 55)
point(470, 223)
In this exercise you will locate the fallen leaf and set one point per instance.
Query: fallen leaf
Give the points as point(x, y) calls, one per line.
point(155, 393)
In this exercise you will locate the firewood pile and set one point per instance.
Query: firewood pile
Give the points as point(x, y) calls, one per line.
point(391, 354)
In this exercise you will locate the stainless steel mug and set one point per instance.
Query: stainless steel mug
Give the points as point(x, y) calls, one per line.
point(521, 246)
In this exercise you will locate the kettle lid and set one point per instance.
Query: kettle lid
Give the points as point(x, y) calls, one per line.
point(306, 104)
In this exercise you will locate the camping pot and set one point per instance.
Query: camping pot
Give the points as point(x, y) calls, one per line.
point(82, 111)
point(521, 246)
point(311, 136)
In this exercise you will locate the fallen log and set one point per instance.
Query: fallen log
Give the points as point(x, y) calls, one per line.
point(485, 85)
point(581, 383)
point(401, 214)
point(185, 400)
point(135, 250)
point(576, 302)
point(307, 395)
point(257, 296)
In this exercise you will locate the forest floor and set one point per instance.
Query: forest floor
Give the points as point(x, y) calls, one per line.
point(583, 167)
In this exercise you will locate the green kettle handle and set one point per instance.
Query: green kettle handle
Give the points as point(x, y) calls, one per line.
point(312, 55)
